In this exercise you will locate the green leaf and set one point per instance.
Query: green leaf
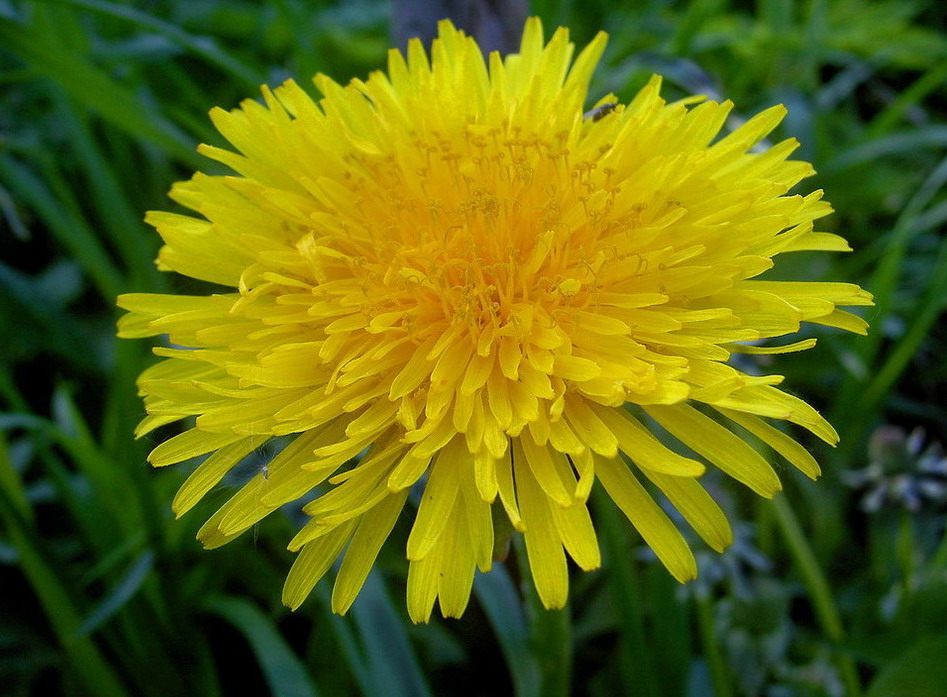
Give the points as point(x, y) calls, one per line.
point(123, 591)
point(42, 325)
point(921, 671)
point(95, 89)
point(46, 582)
point(905, 142)
point(391, 659)
point(12, 485)
point(111, 482)
point(550, 631)
point(636, 669)
point(909, 98)
point(71, 231)
point(113, 208)
point(502, 604)
point(282, 669)
point(9, 421)
point(346, 641)
point(203, 46)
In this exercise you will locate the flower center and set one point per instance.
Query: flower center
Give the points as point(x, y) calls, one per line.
point(495, 232)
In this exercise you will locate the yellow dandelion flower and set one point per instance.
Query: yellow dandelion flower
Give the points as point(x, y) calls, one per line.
point(452, 276)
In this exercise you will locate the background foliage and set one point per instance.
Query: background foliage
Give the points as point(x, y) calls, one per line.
point(841, 592)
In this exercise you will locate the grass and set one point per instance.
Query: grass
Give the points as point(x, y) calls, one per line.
point(101, 108)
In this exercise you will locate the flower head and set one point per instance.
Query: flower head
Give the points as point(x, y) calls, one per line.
point(448, 276)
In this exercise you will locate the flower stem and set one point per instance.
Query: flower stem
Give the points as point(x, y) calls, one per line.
point(552, 639)
point(550, 635)
point(819, 591)
point(635, 667)
point(719, 675)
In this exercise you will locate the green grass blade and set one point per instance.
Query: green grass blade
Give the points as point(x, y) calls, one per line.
point(907, 141)
point(120, 594)
point(635, 666)
point(97, 91)
point(884, 284)
point(122, 409)
point(712, 646)
point(344, 635)
point(550, 632)
point(553, 646)
point(811, 57)
point(114, 211)
point(98, 530)
point(921, 671)
point(930, 306)
point(390, 657)
point(689, 26)
point(671, 645)
point(12, 485)
point(114, 490)
point(12, 216)
point(284, 673)
point(817, 585)
point(203, 46)
point(72, 232)
point(10, 421)
point(501, 603)
point(776, 15)
point(46, 581)
point(885, 280)
point(912, 96)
